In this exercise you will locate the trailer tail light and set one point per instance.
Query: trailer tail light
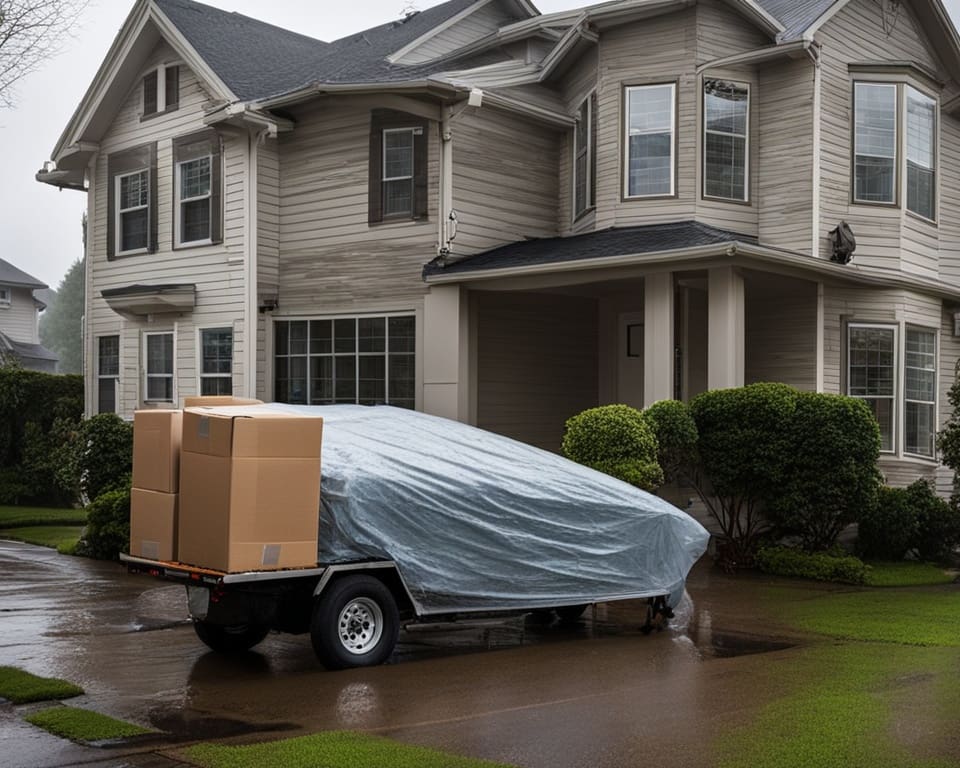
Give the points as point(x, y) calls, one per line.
point(215, 594)
point(195, 577)
point(154, 572)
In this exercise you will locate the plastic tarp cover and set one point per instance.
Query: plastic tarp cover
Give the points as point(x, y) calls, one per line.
point(476, 521)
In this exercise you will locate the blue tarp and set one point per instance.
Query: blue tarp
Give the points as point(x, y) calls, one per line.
point(476, 521)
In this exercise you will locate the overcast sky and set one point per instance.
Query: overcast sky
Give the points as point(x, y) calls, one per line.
point(40, 230)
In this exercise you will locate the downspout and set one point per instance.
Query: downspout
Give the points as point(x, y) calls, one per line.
point(814, 51)
point(251, 265)
point(447, 217)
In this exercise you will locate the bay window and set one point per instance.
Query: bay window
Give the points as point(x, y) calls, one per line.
point(650, 137)
point(585, 156)
point(920, 392)
point(725, 146)
point(921, 153)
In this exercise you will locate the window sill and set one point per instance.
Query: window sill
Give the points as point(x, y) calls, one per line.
point(193, 244)
point(921, 218)
point(894, 206)
point(137, 252)
point(577, 218)
point(645, 198)
point(730, 200)
point(402, 221)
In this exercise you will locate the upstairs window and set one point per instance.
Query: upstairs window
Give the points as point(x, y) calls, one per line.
point(398, 167)
point(197, 189)
point(895, 147)
point(875, 142)
point(585, 156)
point(650, 129)
point(725, 146)
point(5, 297)
point(161, 90)
point(132, 202)
point(921, 152)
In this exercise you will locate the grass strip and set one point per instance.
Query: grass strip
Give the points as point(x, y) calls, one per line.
point(907, 574)
point(83, 725)
point(22, 687)
point(53, 536)
point(20, 517)
point(334, 749)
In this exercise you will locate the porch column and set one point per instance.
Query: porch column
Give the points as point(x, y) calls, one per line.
point(657, 338)
point(725, 324)
point(446, 341)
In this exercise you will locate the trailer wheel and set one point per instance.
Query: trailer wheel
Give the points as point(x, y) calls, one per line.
point(229, 639)
point(355, 623)
point(570, 613)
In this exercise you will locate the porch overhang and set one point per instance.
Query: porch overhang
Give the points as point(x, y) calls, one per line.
point(497, 270)
point(147, 300)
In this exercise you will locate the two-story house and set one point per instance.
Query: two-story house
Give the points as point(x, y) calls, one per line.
point(505, 217)
point(20, 321)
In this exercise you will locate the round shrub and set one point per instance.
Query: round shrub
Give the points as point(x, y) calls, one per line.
point(108, 525)
point(104, 455)
point(616, 440)
point(676, 434)
point(938, 523)
point(821, 566)
point(889, 529)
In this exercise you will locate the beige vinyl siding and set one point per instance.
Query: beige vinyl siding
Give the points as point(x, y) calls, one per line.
point(536, 364)
point(781, 331)
point(505, 186)
point(887, 237)
point(18, 320)
point(577, 85)
point(949, 189)
point(721, 31)
point(784, 193)
point(268, 243)
point(216, 270)
point(331, 259)
point(483, 21)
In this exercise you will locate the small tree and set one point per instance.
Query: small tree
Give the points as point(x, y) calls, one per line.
point(104, 455)
point(615, 440)
point(108, 525)
point(60, 324)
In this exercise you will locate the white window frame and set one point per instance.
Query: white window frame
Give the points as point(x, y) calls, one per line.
point(200, 374)
point(589, 203)
point(897, 159)
point(356, 354)
point(897, 376)
point(6, 296)
point(173, 368)
point(904, 170)
point(936, 387)
point(746, 144)
point(100, 377)
point(118, 214)
point(411, 178)
point(627, 91)
point(180, 201)
point(161, 70)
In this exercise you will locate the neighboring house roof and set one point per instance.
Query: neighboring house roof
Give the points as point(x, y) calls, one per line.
point(24, 351)
point(11, 275)
point(652, 238)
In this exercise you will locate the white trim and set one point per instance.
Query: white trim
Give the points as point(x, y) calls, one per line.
point(816, 152)
point(907, 326)
point(200, 375)
point(820, 342)
point(146, 363)
point(383, 170)
point(746, 144)
point(626, 139)
point(897, 178)
point(396, 56)
point(119, 211)
point(934, 148)
point(179, 202)
point(897, 381)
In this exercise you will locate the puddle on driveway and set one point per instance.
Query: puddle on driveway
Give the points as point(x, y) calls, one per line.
point(188, 725)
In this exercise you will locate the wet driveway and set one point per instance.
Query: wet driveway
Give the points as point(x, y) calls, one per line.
point(597, 693)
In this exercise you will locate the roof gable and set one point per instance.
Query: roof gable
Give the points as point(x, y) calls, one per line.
point(11, 275)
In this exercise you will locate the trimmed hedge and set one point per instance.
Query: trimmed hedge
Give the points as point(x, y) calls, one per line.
point(103, 459)
point(911, 519)
point(822, 566)
point(676, 434)
point(108, 525)
point(616, 440)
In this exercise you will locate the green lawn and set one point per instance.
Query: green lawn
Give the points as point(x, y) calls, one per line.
point(54, 536)
point(21, 517)
point(907, 574)
point(335, 749)
point(21, 687)
point(83, 725)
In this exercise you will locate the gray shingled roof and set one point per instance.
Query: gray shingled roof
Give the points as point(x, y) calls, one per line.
point(10, 275)
point(795, 15)
point(26, 351)
point(615, 241)
point(257, 60)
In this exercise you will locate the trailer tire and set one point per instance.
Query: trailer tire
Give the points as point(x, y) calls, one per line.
point(229, 639)
point(355, 623)
point(568, 614)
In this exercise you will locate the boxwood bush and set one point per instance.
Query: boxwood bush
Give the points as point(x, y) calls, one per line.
point(616, 440)
point(108, 525)
point(104, 454)
point(910, 520)
point(676, 434)
point(822, 566)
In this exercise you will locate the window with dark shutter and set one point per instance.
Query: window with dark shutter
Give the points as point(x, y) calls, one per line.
point(150, 94)
point(132, 201)
point(197, 189)
point(172, 88)
point(398, 166)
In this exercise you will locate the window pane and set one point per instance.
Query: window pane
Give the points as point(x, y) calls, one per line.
point(216, 385)
point(883, 410)
point(920, 190)
point(172, 91)
point(195, 178)
point(321, 380)
point(871, 375)
point(345, 379)
point(398, 197)
point(109, 356)
point(397, 154)
point(402, 333)
point(725, 105)
point(195, 221)
point(345, 335)
point(298, 337)
point(726, 165)
point(919, 431)
point(159, 388)
point(372, 334)
point(160, 353)
point(133, 229)
point(321, 337)
point(297, 381)
point(875, 108)
point(106, 395)
point(281, 334)
point(402, 381)
point(217, 350)
point(150, 93)
point(650, 131)
point(134, 190)
point(373, 384)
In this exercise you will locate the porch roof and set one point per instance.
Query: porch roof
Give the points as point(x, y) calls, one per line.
point(615, 241)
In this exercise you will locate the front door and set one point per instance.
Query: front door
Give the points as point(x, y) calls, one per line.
point(630, 359)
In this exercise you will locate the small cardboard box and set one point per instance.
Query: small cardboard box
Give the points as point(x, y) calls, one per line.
point(208, 400)
point(249, 489)
point(156, 450)
point(153, 524)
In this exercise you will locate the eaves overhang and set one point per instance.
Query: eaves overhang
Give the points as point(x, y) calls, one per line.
point(147, 300)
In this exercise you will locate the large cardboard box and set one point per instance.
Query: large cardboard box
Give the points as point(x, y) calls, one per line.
point(249, 489)
point(153, 524)
point(209, 400)
point(156, 450)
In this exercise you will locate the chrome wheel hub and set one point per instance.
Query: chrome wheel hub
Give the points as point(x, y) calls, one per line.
point(360, 625)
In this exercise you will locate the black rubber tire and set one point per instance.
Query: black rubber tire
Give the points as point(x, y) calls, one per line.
point(368, 594)
point(229, 639)
point(570, 613)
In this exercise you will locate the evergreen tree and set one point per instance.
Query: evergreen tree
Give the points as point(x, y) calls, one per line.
point(61, 324)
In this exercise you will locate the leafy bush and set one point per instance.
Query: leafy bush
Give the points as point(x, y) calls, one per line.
point(616, 440)
point(831, 476)
point(104, 455)
point(938, 523)
point(822, 566)
point(889, 530)
point(676, 434)
point(108, 525)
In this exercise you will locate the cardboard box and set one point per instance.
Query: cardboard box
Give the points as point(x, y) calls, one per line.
point(249, 489)
point(208, 400)
point(153, 524)
point(156, 450)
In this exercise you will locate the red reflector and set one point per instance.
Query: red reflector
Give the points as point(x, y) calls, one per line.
point(153, 572)
point(195, 576)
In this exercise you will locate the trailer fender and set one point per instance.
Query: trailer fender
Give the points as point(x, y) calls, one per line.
point(384, 570)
